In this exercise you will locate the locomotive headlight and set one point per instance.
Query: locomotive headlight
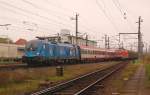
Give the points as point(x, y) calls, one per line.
point(37, 53)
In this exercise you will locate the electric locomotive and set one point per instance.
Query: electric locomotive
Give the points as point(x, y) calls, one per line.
point(45, 52)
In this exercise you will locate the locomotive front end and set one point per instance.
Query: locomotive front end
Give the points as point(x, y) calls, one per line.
point(32, 52)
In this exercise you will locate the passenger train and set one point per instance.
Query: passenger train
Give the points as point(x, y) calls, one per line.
point(46, 52)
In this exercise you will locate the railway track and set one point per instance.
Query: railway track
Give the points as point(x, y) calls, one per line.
point(5, 67)
point(83, 85)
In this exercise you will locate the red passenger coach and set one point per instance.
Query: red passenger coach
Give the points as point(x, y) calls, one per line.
point(123, 53)
point(90, 54)
point(93, 54)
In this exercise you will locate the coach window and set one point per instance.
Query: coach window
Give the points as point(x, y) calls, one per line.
point(86, 51)
point(101, 53)
point(96, 52)
point(82, 51)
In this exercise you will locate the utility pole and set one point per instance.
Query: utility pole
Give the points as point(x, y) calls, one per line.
point(122, 45)
point(119, 42)
point(76, 34)
point(146, 49)
point(86, 40)
point(105, 41)
point(58, 38)
point(140, 46)
point(77, 29)
point(108, 43)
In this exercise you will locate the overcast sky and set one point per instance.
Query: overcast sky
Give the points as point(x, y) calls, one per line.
point(30, 18)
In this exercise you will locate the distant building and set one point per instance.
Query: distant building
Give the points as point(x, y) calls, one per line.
point(21, 42)
point(11, 50)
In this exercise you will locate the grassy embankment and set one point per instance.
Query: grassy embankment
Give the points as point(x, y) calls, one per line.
point(19, 81)
point(128, 72)
point(146, 61)
point(124, 75)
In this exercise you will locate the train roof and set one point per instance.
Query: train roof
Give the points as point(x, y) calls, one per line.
point(91, 48)
point(65, 44)
point(52, 43)
point(98, 49)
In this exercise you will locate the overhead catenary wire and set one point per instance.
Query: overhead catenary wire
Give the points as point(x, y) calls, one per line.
point(65, 10)
point(46, 10)
point(106, 15)
point(123, 13)
point(22, 14)
point(118, 6)
point(32, 13)
point(86, 23)
point(70, 11)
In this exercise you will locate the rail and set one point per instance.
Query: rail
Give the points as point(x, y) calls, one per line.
point(80, 85)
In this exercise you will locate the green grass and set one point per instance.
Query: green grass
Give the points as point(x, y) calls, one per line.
point(124, 76)
point(18, 88)
point(147, 67)
point(146, 62)
point(26, 80)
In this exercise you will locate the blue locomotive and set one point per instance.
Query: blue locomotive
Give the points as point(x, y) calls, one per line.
point(45, 52)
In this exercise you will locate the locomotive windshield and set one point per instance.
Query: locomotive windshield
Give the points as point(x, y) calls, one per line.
point(32, 45)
